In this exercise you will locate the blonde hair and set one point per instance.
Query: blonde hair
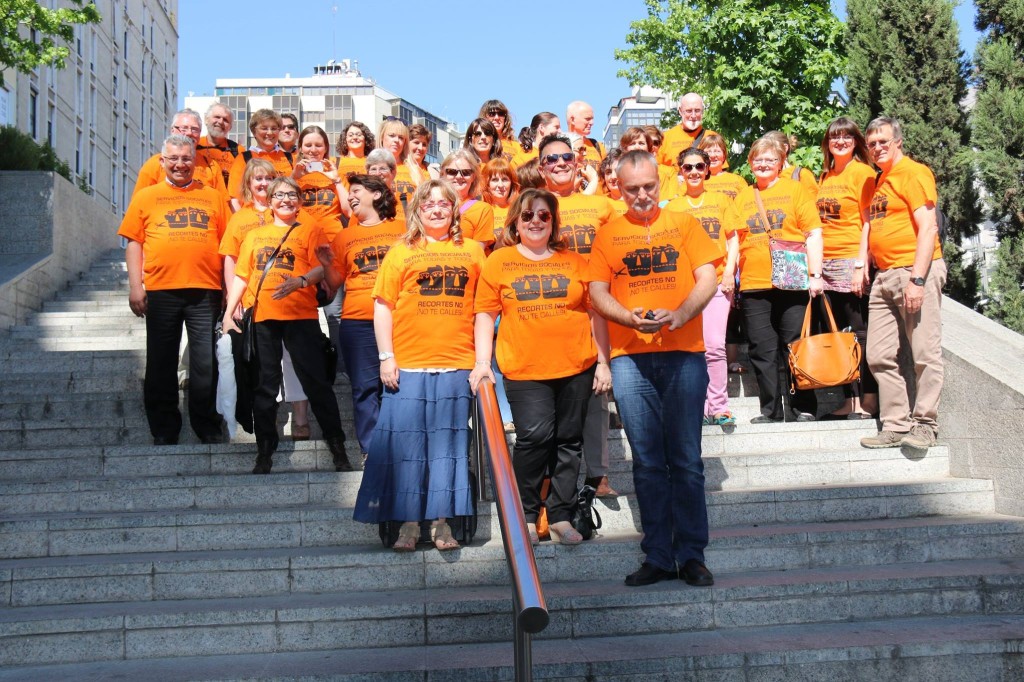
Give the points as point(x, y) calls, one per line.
point(415, 234)
point(463, 154)
point(767, 143)
point(250, 170)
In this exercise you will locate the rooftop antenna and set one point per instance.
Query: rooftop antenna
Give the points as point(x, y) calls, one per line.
point(334, 31)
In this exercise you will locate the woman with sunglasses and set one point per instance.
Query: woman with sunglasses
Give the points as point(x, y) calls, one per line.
point(774, 316)
point(418, 463)
point(354, 143)
point(352, 261)
point(461, 170)
point(285, 313)
point(715, 213)
point(844, 196)
point(497, 113)
point(721, 180)
point(539, 288)
point(482, 141)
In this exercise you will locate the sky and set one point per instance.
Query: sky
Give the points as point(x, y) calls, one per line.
point(447, 58)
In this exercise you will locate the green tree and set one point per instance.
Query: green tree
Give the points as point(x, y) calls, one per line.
point(906, 62)
point(45, 29)
point(998, 134)
point(759, 65)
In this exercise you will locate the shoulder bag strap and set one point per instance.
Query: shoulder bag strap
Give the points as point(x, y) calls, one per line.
point(266, 269)
point(761, 211)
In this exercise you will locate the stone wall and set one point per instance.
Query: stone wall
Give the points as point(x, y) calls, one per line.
point(981, 416)
point(52, 232)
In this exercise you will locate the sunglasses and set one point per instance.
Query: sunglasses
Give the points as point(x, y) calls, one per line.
point(543, 215)
point(496, 112)
point(288, 126)
point(700, 167)
point(455, 172)
point(480, 133)
point(553, 159)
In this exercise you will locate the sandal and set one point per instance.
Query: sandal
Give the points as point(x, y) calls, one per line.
point(408, 536)
point(531, 528)
point(441, 534)
point(724, 419)
point(300, 431)
point(566, 536)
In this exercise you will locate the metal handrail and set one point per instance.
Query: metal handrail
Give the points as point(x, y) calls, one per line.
point(529, 611)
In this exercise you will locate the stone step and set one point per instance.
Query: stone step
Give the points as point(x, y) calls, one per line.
point(265, 572)
point(264, 525)
point(149, 477)
point(416, 617)
point(983, 648)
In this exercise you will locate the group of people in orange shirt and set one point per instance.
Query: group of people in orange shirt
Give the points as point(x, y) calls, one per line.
point(568, 267)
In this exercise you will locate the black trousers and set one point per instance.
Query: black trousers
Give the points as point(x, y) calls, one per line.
point(199, 311)
point(773, 318)
point(305, 343)
point(851, 310)
point(549, 418)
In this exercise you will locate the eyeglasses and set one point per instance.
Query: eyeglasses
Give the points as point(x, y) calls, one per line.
point(543, 215)
point(178, 159)
point(454, 172)
point(480, 133)
point(553, 159)
point(353, 136)
point(268, 130)
point(841, 137)
point(281, 196)
point(880, 144)
point(288, 126)
point(186, 129)
point(764, 162)
point(431, 205)
point(700, 167)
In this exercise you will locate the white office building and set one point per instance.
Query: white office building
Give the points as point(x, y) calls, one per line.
point(335, 94)
point(109, 109)
point(644, 106)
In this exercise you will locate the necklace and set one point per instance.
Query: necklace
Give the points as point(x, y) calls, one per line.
point(693, 205)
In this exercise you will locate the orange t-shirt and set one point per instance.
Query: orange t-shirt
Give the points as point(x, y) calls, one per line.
point(675, 140)
point(320, 199)
point(619, 206)
point(297, 257)
point(180, 230)
point(477, 221)
point(805, 177)
point(430, 287)
point(668, 182)
point(358, 253)
point(349, 164)
point(545, 299)
point(843, 200)
point(500, 213)
point(594, 154)
point(716, 215)
point(282, 165)
point(404, 183)
point(240, 224)
point(727, 183)
point(581, 217)
point(206, 171)
point(907, 186)
point(224, 156)
point(510, 149)
point(652, 267)
point(522, 157)
point(793, 215)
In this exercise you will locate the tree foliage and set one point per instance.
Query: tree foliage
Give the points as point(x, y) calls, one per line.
point(998, 129)
point(759, 65)
point(47, 30)
point(906, 62)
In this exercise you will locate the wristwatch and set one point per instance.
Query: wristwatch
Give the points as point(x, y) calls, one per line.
point(858, 264)
point(919, 281)
point(385, 356)
point(817, 276)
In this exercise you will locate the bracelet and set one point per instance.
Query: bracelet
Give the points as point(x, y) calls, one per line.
point(305, 282)
point(482, 362)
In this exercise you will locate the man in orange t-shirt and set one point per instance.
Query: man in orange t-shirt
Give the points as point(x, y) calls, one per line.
point(651, 274)
point(903, 240)
point(174, 275)
point(216, 143)
point(580, 216)
point(687, 134)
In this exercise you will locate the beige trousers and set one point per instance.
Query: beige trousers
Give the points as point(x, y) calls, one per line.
point(888, 326)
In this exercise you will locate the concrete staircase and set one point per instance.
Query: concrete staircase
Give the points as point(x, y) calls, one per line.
point(120, 560)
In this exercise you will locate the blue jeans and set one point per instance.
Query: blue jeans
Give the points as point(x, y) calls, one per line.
point(661, 402)
point(359, 348)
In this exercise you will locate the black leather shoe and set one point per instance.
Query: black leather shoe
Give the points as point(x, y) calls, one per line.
point(165, 440)
point(648, 575)
point(799, 416)
point(697, 574)
point(764, 419)
point(212, 439)
point(264, 456)
point(337, 447)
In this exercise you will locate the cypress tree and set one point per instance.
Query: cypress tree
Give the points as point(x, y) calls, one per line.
point(998, 130)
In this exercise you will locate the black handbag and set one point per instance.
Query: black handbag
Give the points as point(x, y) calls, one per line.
point(585, 518)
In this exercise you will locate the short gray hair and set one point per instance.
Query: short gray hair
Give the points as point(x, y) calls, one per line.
point(897, 129)
point(188, 112)
point(177, 140)
point(381, 156)
point(209, 110)
point(636, 157)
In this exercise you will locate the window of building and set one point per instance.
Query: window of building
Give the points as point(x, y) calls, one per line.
point(51, 115)
point(92, 163)
point(78, 152)
point(33, 108)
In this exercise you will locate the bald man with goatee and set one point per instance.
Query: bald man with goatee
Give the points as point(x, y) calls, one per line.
point(689, 131)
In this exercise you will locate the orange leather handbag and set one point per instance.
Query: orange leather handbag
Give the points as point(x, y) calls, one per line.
point(820, 360)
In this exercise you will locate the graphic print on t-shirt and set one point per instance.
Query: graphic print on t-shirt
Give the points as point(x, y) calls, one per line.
point(285, 258)
point(368, 260)
point(879, 207)
point(644, 261)
point(318, 196)
point(449, 280)
point(542, 285)
point(828, 209)
point(712, 226)
point(580, 238)
point(188, 216)
point(776, 217)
